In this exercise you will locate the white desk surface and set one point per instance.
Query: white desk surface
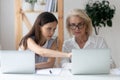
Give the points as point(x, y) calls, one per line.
point(64, 75)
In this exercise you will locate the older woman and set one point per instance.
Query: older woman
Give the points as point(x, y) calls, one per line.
point(79, 26)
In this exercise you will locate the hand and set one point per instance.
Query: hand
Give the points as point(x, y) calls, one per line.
point(69, 55)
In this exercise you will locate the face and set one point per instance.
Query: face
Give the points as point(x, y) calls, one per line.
point(48, 29)
point(77, 26)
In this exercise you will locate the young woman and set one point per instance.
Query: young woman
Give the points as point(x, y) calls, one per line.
point(39, 40)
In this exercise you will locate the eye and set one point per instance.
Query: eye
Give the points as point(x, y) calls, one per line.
point(49, 29)
point(80, 24)
point(72, 24)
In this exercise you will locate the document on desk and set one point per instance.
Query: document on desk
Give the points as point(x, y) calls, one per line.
point(115, 71)
point(49, 71)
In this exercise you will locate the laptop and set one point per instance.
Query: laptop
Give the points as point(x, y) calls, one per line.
point(90, 61)
point(17, 62)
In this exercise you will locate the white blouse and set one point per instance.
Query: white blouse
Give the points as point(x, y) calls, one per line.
point(92, 42)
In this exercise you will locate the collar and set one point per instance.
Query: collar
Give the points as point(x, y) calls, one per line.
point(91, 39)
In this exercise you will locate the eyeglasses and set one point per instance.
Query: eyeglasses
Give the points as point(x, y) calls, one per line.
point(74, 26)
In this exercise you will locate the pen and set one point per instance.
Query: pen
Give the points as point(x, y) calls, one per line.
point(50, 71)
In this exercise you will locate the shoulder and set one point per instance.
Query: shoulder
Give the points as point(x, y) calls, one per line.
point(31, 43)
point(98, 41)
point(96, 38)
point(68, 41)
point(30, 39)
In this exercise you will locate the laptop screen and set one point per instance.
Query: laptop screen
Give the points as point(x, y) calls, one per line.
point(17, 61)
point(90, 61)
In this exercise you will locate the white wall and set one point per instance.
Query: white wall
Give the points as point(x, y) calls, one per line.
point(7, 24)
point(0, 24)
point(111, 35)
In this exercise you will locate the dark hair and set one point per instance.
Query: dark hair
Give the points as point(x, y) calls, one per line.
point(42, 19)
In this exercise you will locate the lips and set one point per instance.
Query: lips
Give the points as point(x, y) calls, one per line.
point(49, 36)
point(77, 32)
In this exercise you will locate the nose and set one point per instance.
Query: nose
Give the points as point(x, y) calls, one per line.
point(76, 28)
point(51, 32)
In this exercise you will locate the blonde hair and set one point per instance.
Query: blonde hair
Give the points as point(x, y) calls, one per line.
point(82, 14)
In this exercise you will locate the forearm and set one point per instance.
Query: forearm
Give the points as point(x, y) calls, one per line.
point(53, 53)
point(45, 52)
point(42, 65)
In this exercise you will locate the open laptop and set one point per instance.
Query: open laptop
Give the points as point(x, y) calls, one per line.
point(17, 62)
point(90, 61)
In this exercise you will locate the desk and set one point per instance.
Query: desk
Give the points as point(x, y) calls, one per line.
point(64, 75)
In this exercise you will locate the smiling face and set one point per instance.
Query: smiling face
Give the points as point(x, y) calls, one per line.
point(77, 26)
point(48, 29)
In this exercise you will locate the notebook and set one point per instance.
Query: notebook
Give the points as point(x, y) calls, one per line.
point(17, 62)
point(90, 61)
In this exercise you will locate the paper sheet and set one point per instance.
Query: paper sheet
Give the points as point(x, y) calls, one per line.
point(49, 71)
point(115, 71)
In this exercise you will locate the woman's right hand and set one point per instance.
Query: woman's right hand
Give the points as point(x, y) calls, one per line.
point(69, 55)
